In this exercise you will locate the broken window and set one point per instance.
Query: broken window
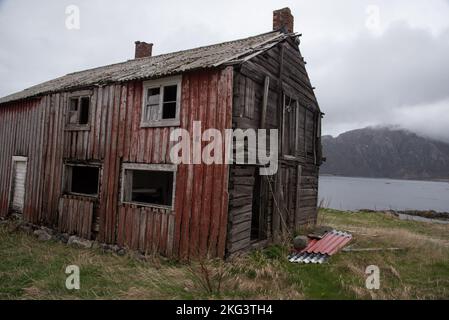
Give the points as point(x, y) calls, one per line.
point(148, 184)
point(161, 103)
point(82, 179)
point(169, 102)
point(79, 111)
point(84, 110)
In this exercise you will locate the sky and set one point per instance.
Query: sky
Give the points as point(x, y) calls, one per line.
point(373, 62)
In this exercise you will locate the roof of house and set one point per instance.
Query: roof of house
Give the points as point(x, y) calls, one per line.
point(158, 66)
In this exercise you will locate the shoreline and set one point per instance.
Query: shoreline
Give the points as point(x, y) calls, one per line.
point(426, 214)
point(443, 180)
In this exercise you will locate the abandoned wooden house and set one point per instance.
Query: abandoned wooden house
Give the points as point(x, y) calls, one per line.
point(88, 153)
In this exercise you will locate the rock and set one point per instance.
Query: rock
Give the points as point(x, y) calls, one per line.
point(63, 237)
point(320, 231)
point(78, 242)
point(26, 228)
point(300, 242)
point(16, 217)
point(95, 245)
point(72, 240)
point(106, 247)
point(110, 248)
point(42, 235)
point(48, 230)
point(139, 256)
point(121, 252)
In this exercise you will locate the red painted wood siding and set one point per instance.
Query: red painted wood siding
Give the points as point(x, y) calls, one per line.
point(196, 226)
point(21, 133)
point(75, 215)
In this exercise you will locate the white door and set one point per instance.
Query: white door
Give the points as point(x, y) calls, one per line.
point(18, 183)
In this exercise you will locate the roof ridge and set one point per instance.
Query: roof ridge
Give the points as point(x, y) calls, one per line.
point(207, 56)
point(174, 52)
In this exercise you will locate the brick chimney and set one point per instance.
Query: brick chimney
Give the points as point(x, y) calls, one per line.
point(283, 19)
point(143, 49)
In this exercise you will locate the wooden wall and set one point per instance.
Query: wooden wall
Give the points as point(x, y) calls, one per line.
point(196, 226)
point(295, 187)
point(202, 190)
point(21, 134)
point(75, 215)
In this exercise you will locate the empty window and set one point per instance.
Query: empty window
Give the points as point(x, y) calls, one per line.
point(79, 111)
point(169, 102)
point(84, 110)
point(161, 102)
point(148, 184)
point(82, 180)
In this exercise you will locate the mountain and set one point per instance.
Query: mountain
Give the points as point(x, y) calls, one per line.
point(385, 153)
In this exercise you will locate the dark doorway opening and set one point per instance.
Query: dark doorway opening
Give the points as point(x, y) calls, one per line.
point(259, 223)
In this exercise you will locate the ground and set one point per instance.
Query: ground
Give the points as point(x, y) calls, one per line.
point(30, 269)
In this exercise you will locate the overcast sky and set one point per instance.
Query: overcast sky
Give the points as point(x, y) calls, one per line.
point(372, 62)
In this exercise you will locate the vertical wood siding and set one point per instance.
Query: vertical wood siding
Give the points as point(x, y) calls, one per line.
point(201, 190)
point(293, 191)
point(21, 133)
point(36, 129)
point(75, 215)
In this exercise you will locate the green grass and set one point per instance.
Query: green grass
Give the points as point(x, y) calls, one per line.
point(35, 270)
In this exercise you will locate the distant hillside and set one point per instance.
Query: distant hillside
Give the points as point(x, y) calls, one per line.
point(388, 153)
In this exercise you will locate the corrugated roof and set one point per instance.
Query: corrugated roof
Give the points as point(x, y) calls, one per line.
point(158, 66)
point(318, 251)
point(330, 243)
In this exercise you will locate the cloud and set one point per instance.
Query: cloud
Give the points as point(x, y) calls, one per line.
point(373, 79)
point(396, 75)
point(428, 119)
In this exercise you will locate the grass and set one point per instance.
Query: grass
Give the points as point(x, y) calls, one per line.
point(36, 270)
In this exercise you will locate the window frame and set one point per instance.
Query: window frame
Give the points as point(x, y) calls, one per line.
point(303, 108)
point(294, 142)
point(148, 167)
point(161, 83)
point(79, 95)
point(67, 179)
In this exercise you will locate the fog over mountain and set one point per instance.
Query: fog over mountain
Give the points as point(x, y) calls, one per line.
point(381, 152)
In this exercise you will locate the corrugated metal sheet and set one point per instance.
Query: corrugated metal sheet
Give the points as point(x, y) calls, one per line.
point(330, 243)
point(157, 66)
point(308, 258)
point(318, 251)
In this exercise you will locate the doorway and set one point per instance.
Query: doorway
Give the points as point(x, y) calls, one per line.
point(18, 178)
point(259, 223)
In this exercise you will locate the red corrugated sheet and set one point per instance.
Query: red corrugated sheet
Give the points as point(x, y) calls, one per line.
point(330, 243)
point(318, 251)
